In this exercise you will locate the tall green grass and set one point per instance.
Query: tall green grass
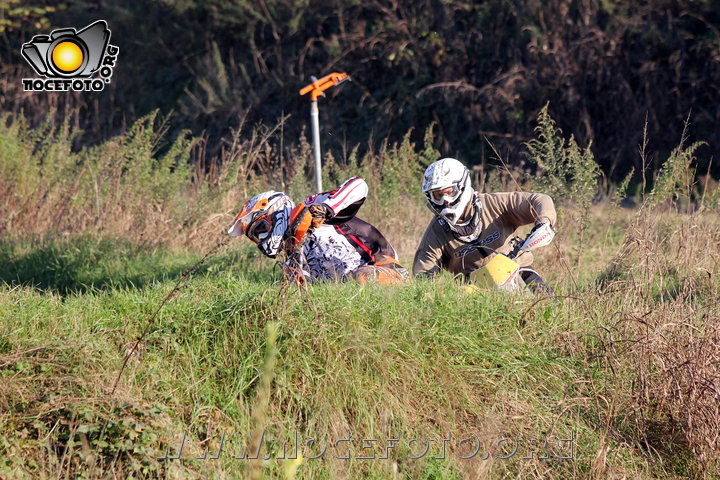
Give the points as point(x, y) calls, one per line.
point(622, 359)
point(417, 361)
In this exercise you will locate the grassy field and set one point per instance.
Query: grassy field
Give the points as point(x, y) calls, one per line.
point(615, 376)
point(610, 372)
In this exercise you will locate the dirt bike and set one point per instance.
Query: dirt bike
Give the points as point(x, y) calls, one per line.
point(502, 272)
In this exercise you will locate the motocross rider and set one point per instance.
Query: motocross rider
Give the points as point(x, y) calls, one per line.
point(464, 216)
point(322, 237)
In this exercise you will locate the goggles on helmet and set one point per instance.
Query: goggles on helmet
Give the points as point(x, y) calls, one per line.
point(259, 229)
point(444, 196)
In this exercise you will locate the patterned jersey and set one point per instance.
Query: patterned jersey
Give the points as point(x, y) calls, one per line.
point(344, 243)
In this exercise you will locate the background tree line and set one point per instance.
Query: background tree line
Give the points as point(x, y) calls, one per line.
point(474, 69)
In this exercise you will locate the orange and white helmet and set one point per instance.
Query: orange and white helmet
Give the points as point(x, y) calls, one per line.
point(264, 219)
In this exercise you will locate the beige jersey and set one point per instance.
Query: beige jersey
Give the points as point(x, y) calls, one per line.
point(501, 215)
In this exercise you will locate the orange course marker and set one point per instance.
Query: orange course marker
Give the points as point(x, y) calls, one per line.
point(319, 86)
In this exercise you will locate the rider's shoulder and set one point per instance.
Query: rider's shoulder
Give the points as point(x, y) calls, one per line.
point(499, 198)
point(496, 195)
point(439, 229)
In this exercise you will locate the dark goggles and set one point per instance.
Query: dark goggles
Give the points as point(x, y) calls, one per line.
point(259, 229)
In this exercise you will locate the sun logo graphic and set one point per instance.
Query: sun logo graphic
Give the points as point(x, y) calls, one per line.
point(71, 60)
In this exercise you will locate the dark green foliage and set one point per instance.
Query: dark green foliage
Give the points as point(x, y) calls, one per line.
point(564, 171)
point(567, 173)
point(16, 13)
point(473, 68)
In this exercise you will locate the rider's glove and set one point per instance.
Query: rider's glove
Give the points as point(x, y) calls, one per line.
point(303, 220)
point(541, 235)
point(320, 213)
point(539, 223)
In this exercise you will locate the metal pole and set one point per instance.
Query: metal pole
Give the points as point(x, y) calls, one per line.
point(315, 89)
point(315, 120)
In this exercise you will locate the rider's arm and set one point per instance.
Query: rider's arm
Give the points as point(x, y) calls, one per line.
point(522, 208)
point(343, 202)
point(428, 256)
point(335, 207)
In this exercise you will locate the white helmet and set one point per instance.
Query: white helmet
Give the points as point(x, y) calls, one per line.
point(448, 189)
point(264, 219)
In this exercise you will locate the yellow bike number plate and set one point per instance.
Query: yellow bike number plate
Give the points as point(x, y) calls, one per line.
point(498, 271)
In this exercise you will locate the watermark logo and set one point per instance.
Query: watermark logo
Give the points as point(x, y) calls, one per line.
point(71, 60)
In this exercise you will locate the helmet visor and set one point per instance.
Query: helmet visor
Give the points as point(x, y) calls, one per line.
point(444, 196)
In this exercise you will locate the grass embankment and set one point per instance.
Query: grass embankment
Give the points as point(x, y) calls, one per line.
point(415, 361)
point(419, 360)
